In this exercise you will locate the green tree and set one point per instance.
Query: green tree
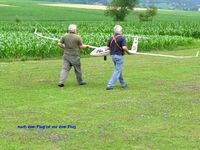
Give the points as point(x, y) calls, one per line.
point(119, 9)
point(148, 14)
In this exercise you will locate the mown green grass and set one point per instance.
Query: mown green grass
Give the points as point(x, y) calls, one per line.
point(31, 10)
point(159, 109)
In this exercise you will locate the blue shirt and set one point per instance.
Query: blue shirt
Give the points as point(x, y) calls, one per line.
point(114, 49)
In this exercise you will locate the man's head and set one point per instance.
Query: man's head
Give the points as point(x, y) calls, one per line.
point(72, 28)
point(118, 29)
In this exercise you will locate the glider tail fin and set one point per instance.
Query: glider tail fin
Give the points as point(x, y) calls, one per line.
point(134, 47)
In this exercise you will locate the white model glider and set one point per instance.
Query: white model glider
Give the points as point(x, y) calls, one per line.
point(45, 37)
point(52, 38)
point(101, 51)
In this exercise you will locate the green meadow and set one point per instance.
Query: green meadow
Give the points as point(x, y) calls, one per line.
point(158, 111)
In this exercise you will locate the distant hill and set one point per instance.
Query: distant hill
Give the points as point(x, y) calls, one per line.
point(172, 4)
point(80, 1)
point(163, 4)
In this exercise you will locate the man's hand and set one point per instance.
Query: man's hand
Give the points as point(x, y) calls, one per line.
point(61, 45)
point(128, 52)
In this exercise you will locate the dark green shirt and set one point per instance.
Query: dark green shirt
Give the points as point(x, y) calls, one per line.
point(72, 44)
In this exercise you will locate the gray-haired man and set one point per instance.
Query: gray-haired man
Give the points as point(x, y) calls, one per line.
point(117, 46)
point(71, 43)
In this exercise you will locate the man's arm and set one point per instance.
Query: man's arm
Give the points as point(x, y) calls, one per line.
point(84, 46)
point(126, 50)
point(81, 45)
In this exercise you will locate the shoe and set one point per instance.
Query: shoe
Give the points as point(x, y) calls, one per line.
point(82, 83)
point(61, 85)
point(109, 88)
point(125, 86)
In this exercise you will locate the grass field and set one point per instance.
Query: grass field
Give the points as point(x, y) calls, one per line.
point(159, 110)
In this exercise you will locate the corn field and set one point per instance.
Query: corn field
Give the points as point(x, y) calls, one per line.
point(17, 40)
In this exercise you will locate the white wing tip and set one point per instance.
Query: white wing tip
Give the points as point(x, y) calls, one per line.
point(197, 54)
point(35, 31)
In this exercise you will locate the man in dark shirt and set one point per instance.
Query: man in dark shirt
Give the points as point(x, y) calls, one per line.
point(71, 43)
point(117, 46)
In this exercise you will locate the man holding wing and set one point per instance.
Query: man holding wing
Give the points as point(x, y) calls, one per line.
point(117, 46)
point(71, 43)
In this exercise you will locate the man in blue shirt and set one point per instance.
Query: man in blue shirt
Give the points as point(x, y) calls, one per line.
point(117, 46)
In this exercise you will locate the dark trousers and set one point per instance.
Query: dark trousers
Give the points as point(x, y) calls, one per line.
point(70, 61)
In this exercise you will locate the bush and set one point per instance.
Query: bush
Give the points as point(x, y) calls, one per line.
point(148, 14)
point(17, 19)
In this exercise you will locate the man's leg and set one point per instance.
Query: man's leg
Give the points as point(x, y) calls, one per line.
point(118, 61)
point(64, 72)
point(122, 82)
point(78, 72)
point(121, 79)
